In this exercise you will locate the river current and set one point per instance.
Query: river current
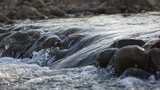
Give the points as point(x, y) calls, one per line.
point(75, 70)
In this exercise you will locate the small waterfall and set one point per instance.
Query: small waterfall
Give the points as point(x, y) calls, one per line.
point(67, 60)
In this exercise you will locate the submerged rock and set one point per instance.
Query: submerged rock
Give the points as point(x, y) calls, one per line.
point(21, 42)
point(130, 56)
point(105, 56)
point(152, 44)
point(71, 40)
point(83, 43)
point(76, 60)
point(137, 73)
point(125, 42)
point(57, 54)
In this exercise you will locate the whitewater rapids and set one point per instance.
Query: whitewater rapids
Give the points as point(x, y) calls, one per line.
point(76, 70)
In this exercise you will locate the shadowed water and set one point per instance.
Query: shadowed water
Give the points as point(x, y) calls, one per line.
point(72, 68)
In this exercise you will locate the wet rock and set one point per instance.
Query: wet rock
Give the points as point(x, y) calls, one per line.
point(152, 44)
point(35, 47)
point(154, 55)
point(84, 42)
point(34, 34)
point(130, 56)
point(53, 41)
point(76, 60)
point(17, 43)
point(44, 42)
point(125, 42)
point(105, 56)
point(56, 54)
point(134, 72)
point(76, 57)
point(72, 40)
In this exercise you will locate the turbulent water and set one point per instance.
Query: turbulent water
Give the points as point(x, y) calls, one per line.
point(76, 70)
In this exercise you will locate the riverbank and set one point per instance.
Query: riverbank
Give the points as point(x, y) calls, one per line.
point(47, 9)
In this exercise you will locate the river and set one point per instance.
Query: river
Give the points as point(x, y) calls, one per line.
point(75, 70)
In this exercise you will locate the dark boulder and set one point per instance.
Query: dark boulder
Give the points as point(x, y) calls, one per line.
point(72, 39)
point(134, 72)
point(17, 43)
point(130, 56)
point(34, 35)
point(56, 54)
point(125, 42)
point(53, 41)
point(154, 56)
point(105, 56)
point(44, 42)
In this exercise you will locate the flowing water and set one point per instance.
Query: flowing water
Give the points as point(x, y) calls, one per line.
point(74, 68)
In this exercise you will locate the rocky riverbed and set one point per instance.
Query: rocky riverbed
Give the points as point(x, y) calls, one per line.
point(47, 9)
point(91, 53)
